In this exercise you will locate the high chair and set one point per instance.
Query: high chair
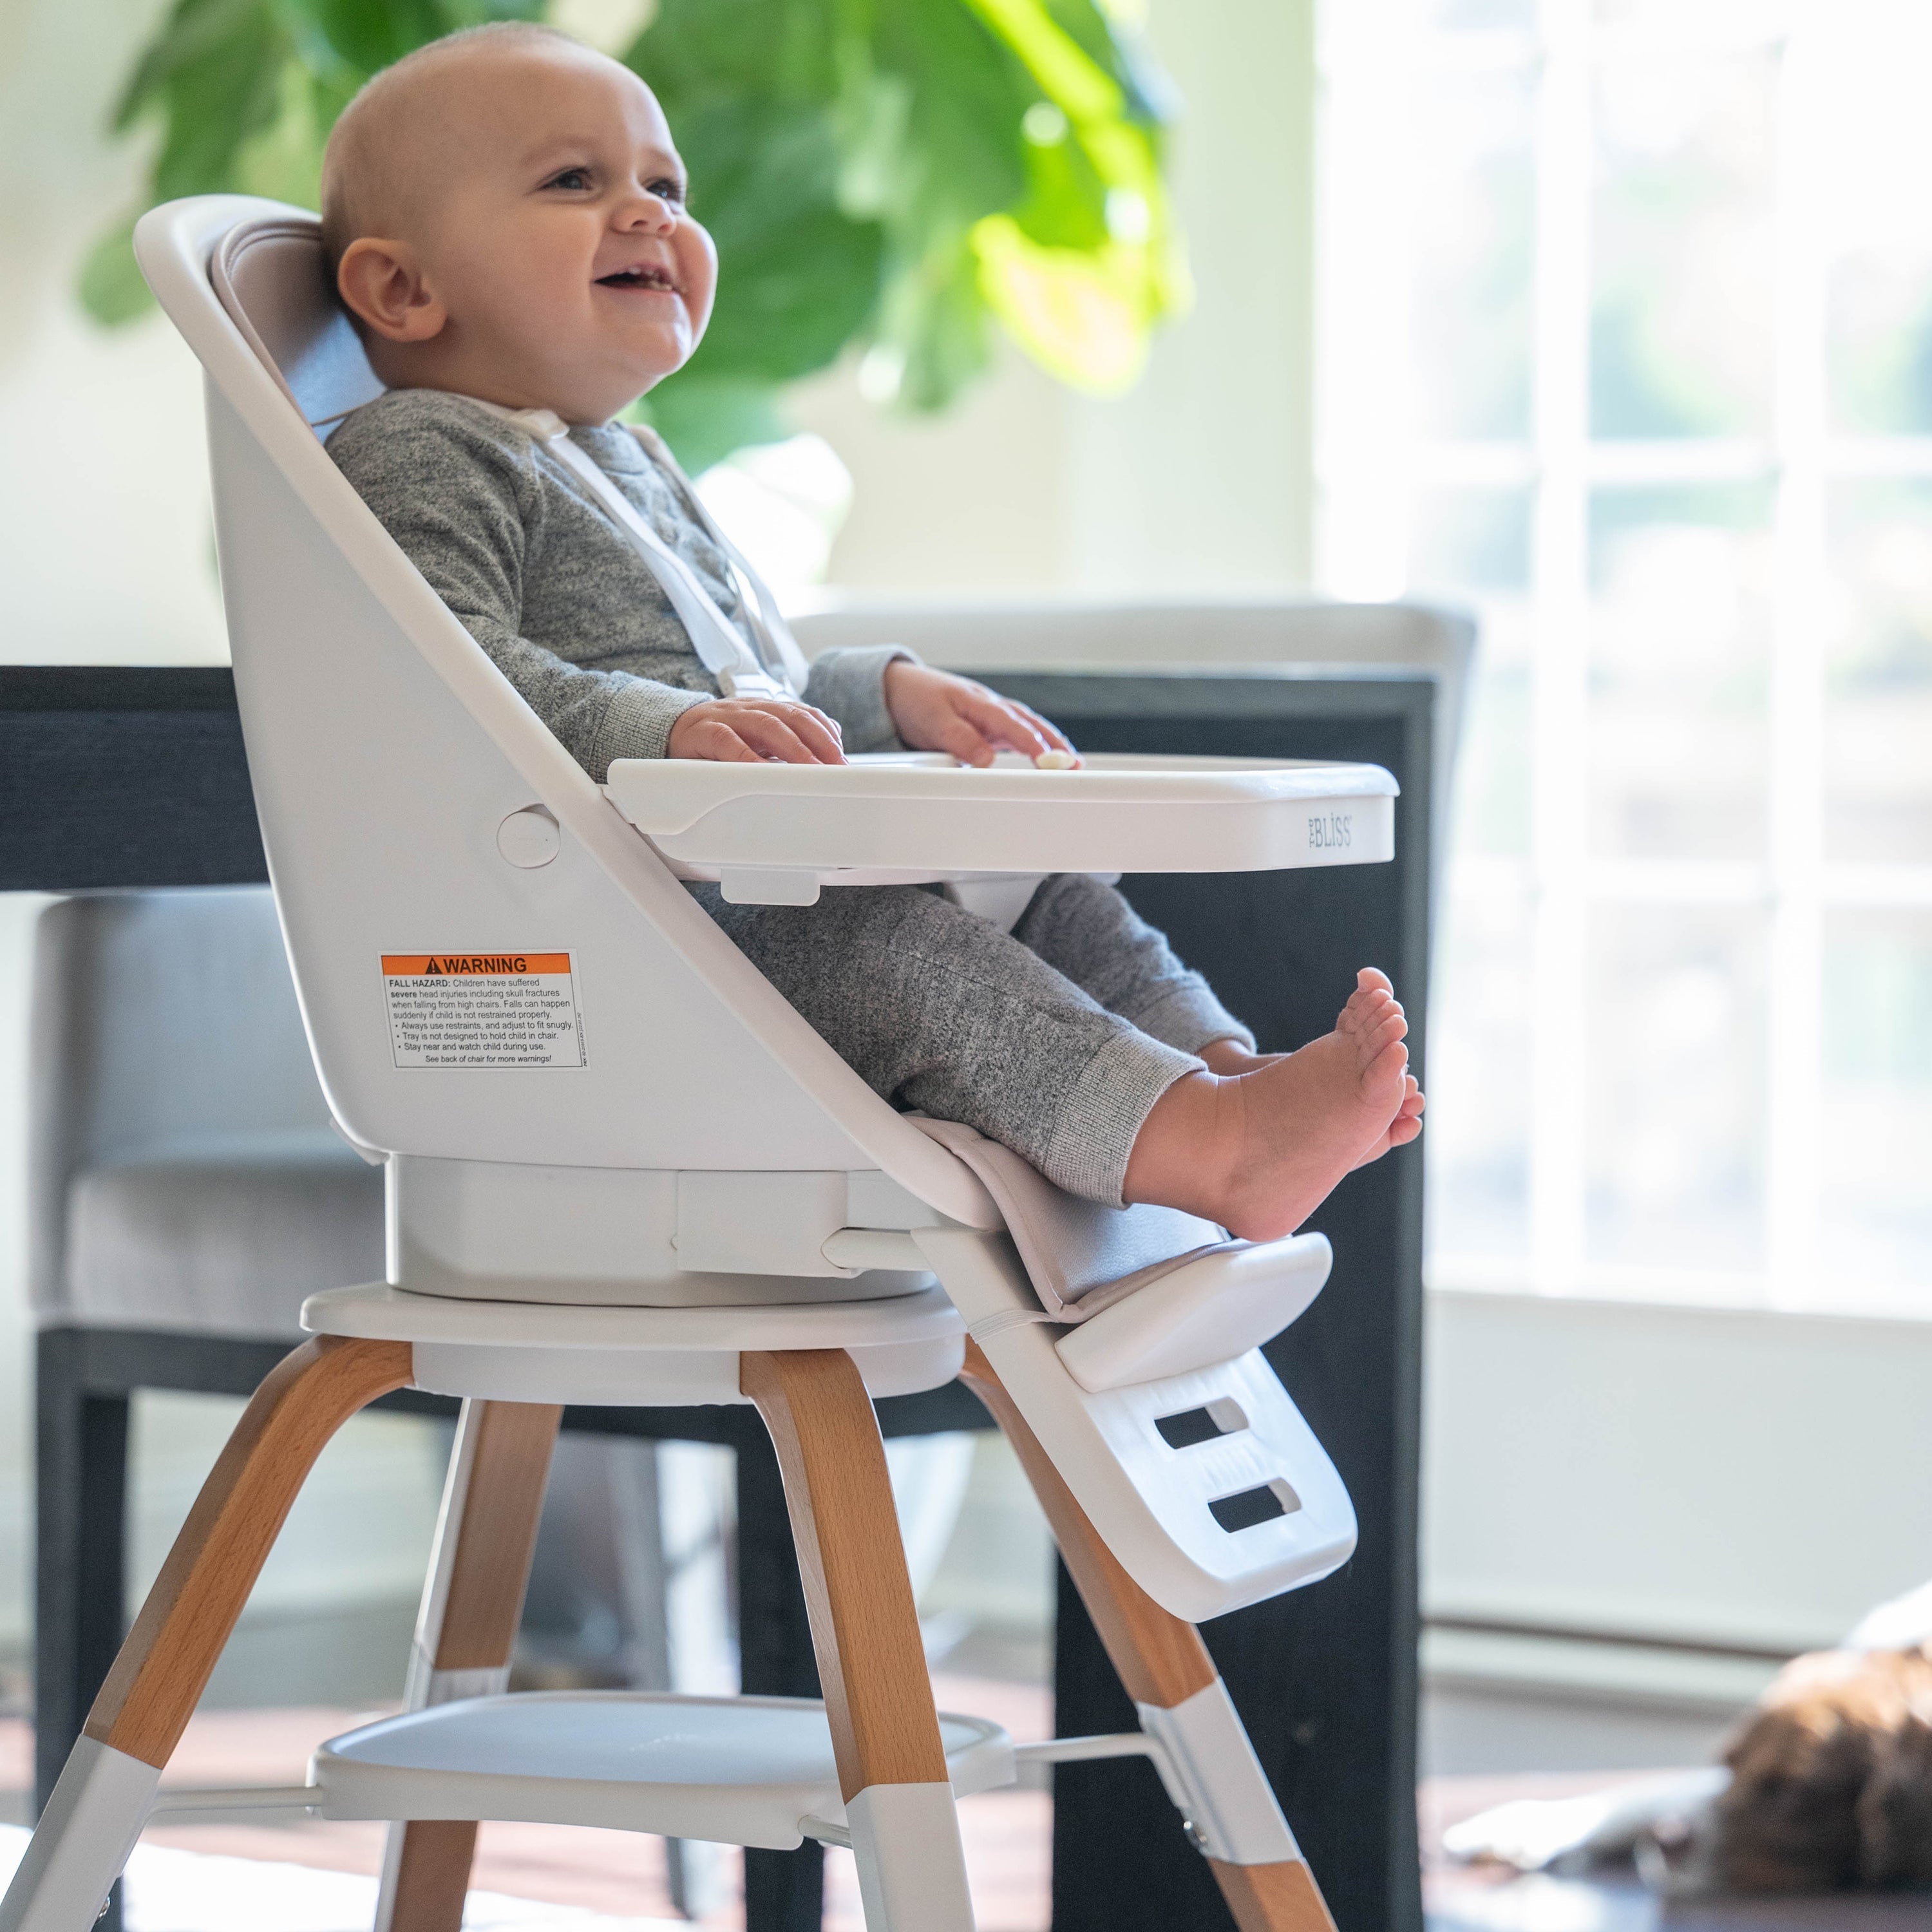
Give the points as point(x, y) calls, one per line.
point(621, 1169)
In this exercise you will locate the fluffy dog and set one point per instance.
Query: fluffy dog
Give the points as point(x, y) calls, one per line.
point(1832, 1778)
point(1826, 1786)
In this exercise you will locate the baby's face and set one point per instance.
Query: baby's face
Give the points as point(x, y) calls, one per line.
point(552, 239)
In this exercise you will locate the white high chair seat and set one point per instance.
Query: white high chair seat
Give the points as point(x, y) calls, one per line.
point(643, 1358)
point(630, 1172)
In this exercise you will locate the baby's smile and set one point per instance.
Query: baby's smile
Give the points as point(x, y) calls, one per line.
point(652, 278)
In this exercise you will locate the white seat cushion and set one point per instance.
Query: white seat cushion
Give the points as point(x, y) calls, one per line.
point(222, 1240)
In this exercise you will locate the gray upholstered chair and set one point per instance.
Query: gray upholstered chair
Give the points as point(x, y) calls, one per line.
point(184, 1174)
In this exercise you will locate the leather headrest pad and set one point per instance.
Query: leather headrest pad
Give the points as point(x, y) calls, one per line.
point(1082, 1257)
point(270, 277)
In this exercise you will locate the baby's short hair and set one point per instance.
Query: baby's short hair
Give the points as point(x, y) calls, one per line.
point(361, 194)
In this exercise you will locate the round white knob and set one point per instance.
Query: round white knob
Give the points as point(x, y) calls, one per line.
point(529, 837)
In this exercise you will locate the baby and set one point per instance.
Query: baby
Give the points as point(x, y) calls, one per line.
point(505, 216)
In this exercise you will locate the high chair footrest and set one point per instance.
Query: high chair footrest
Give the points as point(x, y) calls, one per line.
point(1211, 1309)
point(740, 1771)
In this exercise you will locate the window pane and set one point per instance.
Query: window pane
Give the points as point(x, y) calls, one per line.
point(1870, 78)
point(1878, 703)
point(1483, 15)
point(1674, 1060)
point(1737, 17)
point(1471, 321)
point(1679, 671)
point(1875, 1127)
point(1472, 546)
point(1881, 341)
point(1478, 1137)
point(1681, 322)
point(1475, 541)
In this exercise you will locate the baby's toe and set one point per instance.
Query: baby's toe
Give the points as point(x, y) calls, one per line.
point(1387, 1025)
point(1367, 1006)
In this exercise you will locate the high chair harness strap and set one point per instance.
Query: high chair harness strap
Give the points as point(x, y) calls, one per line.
point(778, 669)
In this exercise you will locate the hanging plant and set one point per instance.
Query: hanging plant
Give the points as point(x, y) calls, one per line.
point(903, 175)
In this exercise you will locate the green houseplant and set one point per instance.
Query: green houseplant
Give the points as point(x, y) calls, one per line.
point(904, 174)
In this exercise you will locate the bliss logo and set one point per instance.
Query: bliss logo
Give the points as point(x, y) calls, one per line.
point(1329, 834)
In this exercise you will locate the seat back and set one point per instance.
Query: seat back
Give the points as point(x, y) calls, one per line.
point(387, 750)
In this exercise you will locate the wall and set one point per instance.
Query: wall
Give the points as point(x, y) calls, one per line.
point(1699, 1478)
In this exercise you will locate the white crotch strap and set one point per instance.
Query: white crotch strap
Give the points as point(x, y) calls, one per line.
point(741, 672)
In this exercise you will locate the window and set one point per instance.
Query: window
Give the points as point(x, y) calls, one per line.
point(1627, 342)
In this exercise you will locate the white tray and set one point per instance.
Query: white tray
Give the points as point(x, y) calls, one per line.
point(777, 832)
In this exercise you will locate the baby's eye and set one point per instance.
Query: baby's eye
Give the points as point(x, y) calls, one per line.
point(667, 190)
point(573, 179)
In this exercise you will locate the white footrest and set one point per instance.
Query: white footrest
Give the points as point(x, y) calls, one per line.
point(741, 1770)
point(1213, 1309)
point(1207, 1486)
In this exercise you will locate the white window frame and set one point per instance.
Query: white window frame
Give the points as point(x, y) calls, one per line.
point(1373, 58)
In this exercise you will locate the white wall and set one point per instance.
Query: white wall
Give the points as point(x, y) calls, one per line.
point(1699, 1476)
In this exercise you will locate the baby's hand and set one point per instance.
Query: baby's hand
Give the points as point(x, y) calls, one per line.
point(934, 711)
point(751, 730)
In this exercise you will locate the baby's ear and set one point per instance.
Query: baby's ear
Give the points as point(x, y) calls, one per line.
point(382, 284)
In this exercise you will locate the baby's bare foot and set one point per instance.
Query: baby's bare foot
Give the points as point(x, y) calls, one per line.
point(1259, 1151)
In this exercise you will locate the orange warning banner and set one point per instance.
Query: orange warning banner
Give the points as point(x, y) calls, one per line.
point(435, 965)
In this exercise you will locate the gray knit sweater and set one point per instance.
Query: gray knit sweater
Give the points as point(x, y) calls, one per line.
point(541, 577)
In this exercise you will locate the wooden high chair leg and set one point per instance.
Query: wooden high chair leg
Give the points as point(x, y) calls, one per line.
point(472, 1602)
point(865, 1629)
point(105, 1793)
point(1162, 1664)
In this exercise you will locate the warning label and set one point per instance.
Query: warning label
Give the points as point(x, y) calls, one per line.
point(482, 1010)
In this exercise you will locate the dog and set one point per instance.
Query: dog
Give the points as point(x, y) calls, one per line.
point(1826, 1785)
point(1831, 1785)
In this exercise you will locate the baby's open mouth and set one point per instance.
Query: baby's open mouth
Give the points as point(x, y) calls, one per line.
point(643, 276)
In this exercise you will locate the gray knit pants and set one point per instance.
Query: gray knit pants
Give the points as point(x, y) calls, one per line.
point(1056, 1040)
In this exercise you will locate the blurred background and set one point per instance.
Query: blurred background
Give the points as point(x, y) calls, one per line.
point(1610, 321)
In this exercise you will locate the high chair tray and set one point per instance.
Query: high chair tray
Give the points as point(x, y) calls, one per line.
point(910, 818)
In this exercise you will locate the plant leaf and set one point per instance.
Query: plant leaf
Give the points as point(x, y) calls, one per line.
point(797, 278)
point(112, 289)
